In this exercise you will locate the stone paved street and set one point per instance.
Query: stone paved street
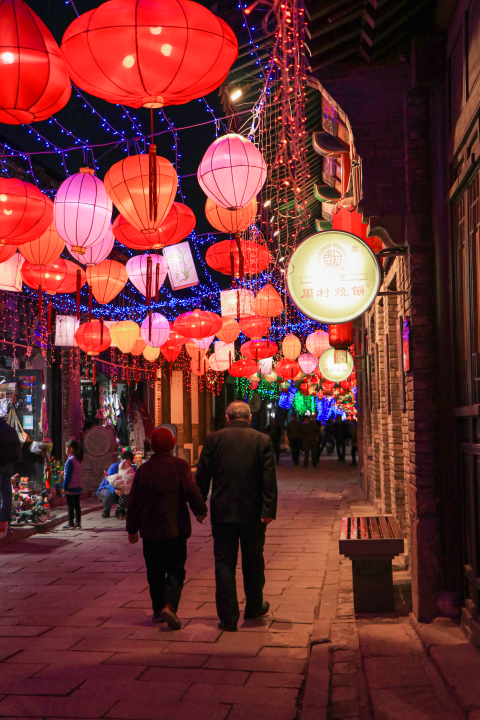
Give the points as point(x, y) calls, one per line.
point(76, 632)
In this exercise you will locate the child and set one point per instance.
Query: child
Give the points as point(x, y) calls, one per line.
point(72, 483)
point(122, 482)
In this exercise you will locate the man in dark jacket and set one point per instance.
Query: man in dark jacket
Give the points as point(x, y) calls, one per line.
point(239, 463)
point(10, 453)
point(157, 507)
point(340, 433)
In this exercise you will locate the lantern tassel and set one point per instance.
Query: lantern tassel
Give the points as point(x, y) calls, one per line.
point(79, 285)
point(40, 304)
point(101, 331)
point(128, 376)
point(150, 325)
point(241, 262)
point(93, 371)
point(90, 304)
point(49, 323)
point(148, 284)
point(157, 281)
point(152, 182)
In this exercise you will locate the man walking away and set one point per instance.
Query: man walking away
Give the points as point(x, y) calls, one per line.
point(340, 435)
point(239, 463)
point(10, 453)
point(310, 437)
point(294, 435)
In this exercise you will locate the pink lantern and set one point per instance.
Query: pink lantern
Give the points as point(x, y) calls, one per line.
point(219, 362)
point(232, 171)
point(308, 362)
point(82, 211)
point(142, 272)
point(204, 343)
point(155, 330)
point(96, 253)
point(317, 342)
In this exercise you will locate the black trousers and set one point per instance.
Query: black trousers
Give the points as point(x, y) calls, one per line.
point(226, 539)
point(354, 454)
point(165, 561)
point(295, 447)
point(341, 449)
point(310, 446)
point(73, 504)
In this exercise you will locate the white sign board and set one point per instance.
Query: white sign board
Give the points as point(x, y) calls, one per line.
point(65, 329)
point(237, 303)
point(181, 267)
point(335, 372)
point(10, 275)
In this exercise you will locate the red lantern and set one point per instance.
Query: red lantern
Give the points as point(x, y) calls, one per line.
point(346, 384)
point(340, 337)
point(268, 302)
point(304, 387)
point(93, 337)
point(175, 339)
point(170, 352)
point(60, 276)
point(287, 369)
point(198, 324)
point(230, 330)
point(327, 387)
point(243, 368)
point(259, 349)
point(178, 223)
point(25, 212)
point(35, 83)
point(254, 326)
point(150, 54)
point(225, 257)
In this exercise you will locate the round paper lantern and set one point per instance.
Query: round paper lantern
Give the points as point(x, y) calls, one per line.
point(25, 212)
point(218, 362)
point(170, 352)
point(287, 369)
point(45, 249)
point(317, 342)
point(199, 366)
point(6, 252)
point(271, 377)
point(328, 387)
point(97, 253)
point(198, 324)
point(35, 83)
point(138, 346)
point(151, 353)
point(61, 276)
point(229, 331)
point(82, 210)
point(178, 223)
point(254, 326)
point(230, 221)
point(243, 368)
point(106, 279)
point(142, 272)
point(176, 339)
point(127, 184)
point(93, 337)
point(225, 258)
point(155, 330)
point(232, 172)
point(75, 276)
point(308, 363)
point(346, 384)
point(340, 337)
point(291, 346)
point(259, 349)
point(204, 343)
point(124, 334)
point(139, 53)
point(268, 302)
point(193, 350)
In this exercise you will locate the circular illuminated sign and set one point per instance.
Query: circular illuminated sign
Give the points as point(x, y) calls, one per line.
point(333, 277)
point(335, 372)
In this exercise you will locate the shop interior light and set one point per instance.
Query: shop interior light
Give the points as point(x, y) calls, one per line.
point(235, 94)
point(266, 204)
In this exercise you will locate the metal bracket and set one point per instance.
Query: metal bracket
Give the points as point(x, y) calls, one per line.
point(399, 250)
point(394, 292)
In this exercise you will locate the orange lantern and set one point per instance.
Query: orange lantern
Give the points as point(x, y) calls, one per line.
point(198, 324)
point(60, 276)
point(106, 279)
point(288, 369)
point(225, 257)
point(138, 346)
point(317, 343)
point(175, 339)
point(127, 185)
point(178, 223)
point(199, 366)
point(230, 330)
point(151, 354)
point(25, 212)
point(124, 334)
point(243, 368)
point(193, 350)
point(93, 337)
point(268, 302)
point(230, 221)
point(45, 249)
point(254, 326)
point(291, 346)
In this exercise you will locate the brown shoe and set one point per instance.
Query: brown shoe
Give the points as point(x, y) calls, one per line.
point(171, 618)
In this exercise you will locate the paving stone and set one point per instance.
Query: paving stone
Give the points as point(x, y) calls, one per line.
point(392, 640)
point(459, 666)
point(203, 676)
point(141, 709)
point(412, 703)
point(69, 707)
point(248, 694)
point(388, 672)
point(277, 679)
point(257, 712)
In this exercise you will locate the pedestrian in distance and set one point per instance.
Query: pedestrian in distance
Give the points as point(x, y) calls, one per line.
point(238, 463)
point(106, 492)
point(10, 453)
point(294, 435)
point(354, 439)
point(340, 432)
point(157, 510)
point(72, 483)
point(310, 438)
point(274, 432)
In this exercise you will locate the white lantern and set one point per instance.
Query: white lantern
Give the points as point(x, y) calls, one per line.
point(204, 343)
point(65, 329)
point(266, 365)
point(237, 303)
point(10, 275)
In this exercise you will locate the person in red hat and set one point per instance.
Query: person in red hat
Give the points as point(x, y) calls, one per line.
point(157, 509)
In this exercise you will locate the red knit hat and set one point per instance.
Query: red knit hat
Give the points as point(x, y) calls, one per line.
point(162, 440)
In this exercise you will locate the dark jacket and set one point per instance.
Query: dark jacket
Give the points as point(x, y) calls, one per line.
point(157, 503)
point(240, 462)
point(10, 446)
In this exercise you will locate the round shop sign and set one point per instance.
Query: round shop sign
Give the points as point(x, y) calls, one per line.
point(333, 277)
point(335, 372)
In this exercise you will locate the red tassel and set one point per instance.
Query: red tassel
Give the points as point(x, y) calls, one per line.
point(148, 288)
point(49, 325)
point(40, 304)
point(136, 375)
point(128, 375)
point(152, 182)
point(89, 304)
point(93, 371)
point(157, 281)
point(241, 264)
point(79, 285)
point(155, 371)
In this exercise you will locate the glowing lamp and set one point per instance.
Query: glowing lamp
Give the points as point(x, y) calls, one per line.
point(106, 279)
point(97, 253)
point(198, 324)
point(340, 337)
point(150, 353)
point(230, 221)
point(6, 252)
point(308, 363)
point(291, 346)
point(225, 257)
point(124, 334)
point(268, 302)
point(255, 326)
point(229, 331)
point(138, 346)
point(218, 362)
point(45, 249)
point(287, 369)
point(178, 223)
point(170, 352)
point(259, 349)
point(243, 368)
point(142, 272)
point(335, 372)
point(204, 343)
point(317, 342)
point(25, 212)
point(155, 330)
point(193, 350)
point(10, 273)
point(199, 366)
point(93, 337)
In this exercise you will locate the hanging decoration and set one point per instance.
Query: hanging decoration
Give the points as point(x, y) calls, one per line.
point(194, 350)
point(198, 324)
point(57, 277)
point(219, 362)
point(25, 212)
point(181, 267)
point(287, 369)
point(317, 342)
point(45, 249)
point(259, 349)
point(138, 346)
point(225, 257)
point(93, 337)
point(147, 273)
point(265, 366)
point(238, 302)
point(176, 338)
point(6, 252)
point(199, 366)
point(155, 330)
point(308, 363)
point(254, 326)
point(65, 328)
point(268, 302)
point(151, 353)
point(124, 334)
point(335, 372)
point(106, 279)
point(97, 253)
point(340, 337)
point(204, 343)
point(10, 273)
point(229, 331)
point(232, 172)
point(170, 352)
point(231, 221)
point(178, 223)
point(291, 347)
point(243, 368)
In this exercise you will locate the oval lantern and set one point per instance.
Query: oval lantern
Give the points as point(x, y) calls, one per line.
point(82, 210)
point(287, 369)
point(93, 337)
point(61, 276)
point(200, 366)
point(150, 353)
point(317, 342)
point(204, 343)
point(291, 346)
point(178, 223)
point(142, 272)
point(155, 330)
point(139, 53)
point(259, 349)
point(230, 221)
point(225, 258)
point(198, 324)
point(218, 363)
point(271, 377)
point(268, 302)
point(254, 326)
point(75, 276)
point(25, 212)
point(232, 172)
point(106, 279)
point(229, 331)
point(308, 363)
point(193, 350)
point(138, 346)
point(97, 253)
point(124, 334)
point(340, 337)
point(175, 337)
point(127, 184)
point(35, 83)
point(45, 249)
point(243, 368)
point(170, 352)
point(6, 252)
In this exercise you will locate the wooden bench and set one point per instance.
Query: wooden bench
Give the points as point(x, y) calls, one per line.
point(371, 543)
